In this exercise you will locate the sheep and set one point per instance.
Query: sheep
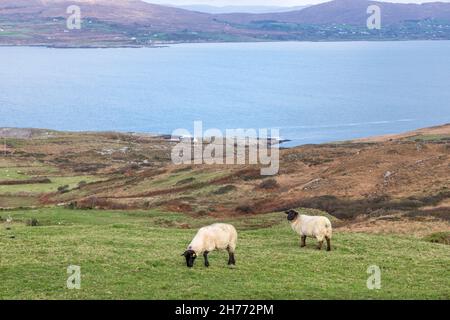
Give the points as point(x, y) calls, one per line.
point(218, 236)
point(310, 226)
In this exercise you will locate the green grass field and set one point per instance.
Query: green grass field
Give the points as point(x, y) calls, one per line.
point(11, 172)
point(136, 255)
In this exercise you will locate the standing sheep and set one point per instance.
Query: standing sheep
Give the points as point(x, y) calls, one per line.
point(218, 236)
point(311, 226)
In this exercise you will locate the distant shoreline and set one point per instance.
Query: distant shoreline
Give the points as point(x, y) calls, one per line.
point(169, 44)
point(30, 133)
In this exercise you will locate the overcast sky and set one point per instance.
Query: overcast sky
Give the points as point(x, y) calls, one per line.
point(287, 3)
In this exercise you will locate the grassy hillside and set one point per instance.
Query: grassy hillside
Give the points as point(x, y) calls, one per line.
point(115, 205)
point(136, 255)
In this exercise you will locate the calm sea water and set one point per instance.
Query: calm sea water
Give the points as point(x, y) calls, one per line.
point(312, 92)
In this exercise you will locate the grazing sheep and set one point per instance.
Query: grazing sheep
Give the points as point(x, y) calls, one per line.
point(218, 236)
point(310, 226)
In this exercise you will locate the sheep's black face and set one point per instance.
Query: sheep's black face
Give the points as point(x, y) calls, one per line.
point(291, 215)
point(190, 256)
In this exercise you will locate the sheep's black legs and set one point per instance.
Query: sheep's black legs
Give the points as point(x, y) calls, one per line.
point(205, 255)
point(303, 243)
point(319, 246)
point(231, 259)
point(328, 243)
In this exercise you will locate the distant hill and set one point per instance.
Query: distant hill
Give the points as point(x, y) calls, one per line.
point(124, 12)
point(351, 12)
point(110, 23)
point(104, 23)
point(238, 9)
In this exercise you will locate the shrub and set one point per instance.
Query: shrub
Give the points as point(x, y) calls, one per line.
point(185, 181)
point(269, 184)
point(439, 237)
point(72, 205)
point(225, 189)
point(88, 203)
point(82, 184)
point(244, 208)
point(146, 204)
point(63, 189)
point(32, 222)
point(202, 213)
point(249, 174)
point(89, 167)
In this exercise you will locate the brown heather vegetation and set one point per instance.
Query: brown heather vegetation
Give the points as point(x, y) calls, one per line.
point(391, 184)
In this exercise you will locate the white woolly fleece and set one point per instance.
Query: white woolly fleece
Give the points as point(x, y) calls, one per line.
point(312, 226)
point(218, 236)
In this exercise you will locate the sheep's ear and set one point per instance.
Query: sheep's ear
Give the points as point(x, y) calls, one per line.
point(287, 212)
point(184, 253)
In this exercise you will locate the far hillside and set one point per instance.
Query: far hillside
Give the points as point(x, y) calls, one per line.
point(134, 23)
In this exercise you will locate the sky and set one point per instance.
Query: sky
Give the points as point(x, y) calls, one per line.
point(278, 3)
